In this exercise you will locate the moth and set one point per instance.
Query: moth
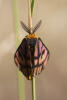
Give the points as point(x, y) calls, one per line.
point(32, 55)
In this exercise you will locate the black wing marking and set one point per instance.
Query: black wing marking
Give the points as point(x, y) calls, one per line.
point(25, 27)
point(37, 26)
point(45, 47)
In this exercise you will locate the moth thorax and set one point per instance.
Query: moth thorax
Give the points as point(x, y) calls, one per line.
point(32, 35)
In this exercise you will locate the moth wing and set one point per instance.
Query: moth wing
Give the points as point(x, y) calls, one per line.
point(41, 54)
point(19, 57)
point(44, 52)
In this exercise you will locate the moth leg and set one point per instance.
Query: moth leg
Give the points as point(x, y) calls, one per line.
point(40, 69)
point(35, 71)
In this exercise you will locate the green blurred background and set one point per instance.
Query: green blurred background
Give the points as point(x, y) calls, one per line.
point(52, 83)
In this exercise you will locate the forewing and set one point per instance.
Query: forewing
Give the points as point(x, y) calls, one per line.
point(19, 57)
point(44, 53)
point(41, 57)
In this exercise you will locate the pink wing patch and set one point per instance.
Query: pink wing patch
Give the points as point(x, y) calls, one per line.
point(43, 52)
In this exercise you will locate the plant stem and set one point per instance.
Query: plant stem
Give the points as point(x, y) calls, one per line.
point(30, 26)
point(29, 16)
point(32, 6)
point(16, 27)
point(33, 89)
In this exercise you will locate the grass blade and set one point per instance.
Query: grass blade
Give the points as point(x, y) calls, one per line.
point(33, 80)
point(16, 27)
point(32, 6)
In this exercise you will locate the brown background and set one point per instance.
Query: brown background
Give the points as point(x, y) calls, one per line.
point(52, 83)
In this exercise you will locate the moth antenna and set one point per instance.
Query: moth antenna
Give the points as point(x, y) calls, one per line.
point(25, 27)
point(37, 26)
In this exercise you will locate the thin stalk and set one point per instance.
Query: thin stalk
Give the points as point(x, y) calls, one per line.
point(33, 89)
point(30, 26)
point(29, 16)
point(16, 27)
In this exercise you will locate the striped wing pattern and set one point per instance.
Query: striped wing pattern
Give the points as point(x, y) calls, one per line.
point(31, 57)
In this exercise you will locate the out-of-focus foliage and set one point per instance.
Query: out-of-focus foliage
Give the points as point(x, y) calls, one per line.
point(32, 6)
